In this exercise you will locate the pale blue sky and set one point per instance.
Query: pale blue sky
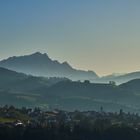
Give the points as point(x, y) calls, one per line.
point(99, 35)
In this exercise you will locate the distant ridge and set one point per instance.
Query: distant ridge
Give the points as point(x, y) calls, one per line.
point(39, 64)
point(119, 79)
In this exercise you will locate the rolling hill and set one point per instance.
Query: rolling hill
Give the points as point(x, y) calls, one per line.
point(25, 90)
point(88, 96)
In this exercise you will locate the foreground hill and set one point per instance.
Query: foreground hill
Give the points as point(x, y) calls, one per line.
point(41, 65)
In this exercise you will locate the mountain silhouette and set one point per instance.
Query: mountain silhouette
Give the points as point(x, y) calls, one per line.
point(39, 64)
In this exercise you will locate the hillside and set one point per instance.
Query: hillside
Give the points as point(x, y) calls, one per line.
point(25, 90)
point(86, 96)
point(14, 81)
point(133, 85)
point(17, 88)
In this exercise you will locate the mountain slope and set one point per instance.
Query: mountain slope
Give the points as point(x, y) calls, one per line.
point(13, 81)
point(41, 65)
point(7, 77)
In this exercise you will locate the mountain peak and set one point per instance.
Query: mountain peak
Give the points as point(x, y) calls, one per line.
point(39, 54)
point(66, 64)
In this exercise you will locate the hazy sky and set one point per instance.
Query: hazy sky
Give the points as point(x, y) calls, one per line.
point(99, 35)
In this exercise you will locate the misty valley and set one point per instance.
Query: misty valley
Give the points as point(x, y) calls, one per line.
point(28, 81)
point(42, 99)
point(69, 70)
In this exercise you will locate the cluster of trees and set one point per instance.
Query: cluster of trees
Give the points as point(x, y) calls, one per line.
point(64, 132)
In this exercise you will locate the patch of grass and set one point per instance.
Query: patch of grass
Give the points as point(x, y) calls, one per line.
point(6, 120)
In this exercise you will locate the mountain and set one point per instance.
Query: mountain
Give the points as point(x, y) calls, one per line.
point(119, 79)
point(39, 64)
